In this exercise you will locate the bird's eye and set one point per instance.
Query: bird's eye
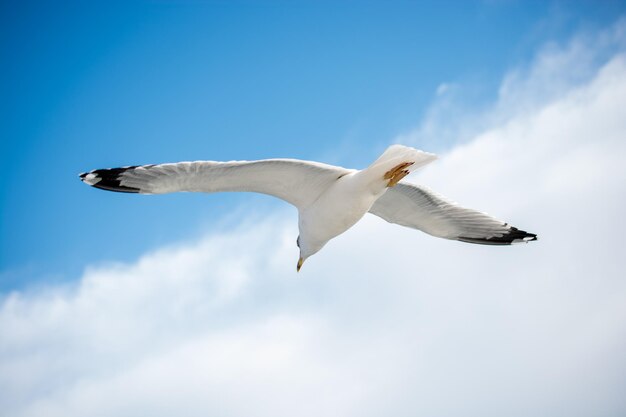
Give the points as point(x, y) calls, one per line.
point(298, 241)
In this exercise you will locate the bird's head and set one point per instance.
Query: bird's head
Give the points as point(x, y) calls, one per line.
point(307, 248)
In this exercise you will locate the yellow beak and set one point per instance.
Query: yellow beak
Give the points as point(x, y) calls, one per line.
point(300, 262)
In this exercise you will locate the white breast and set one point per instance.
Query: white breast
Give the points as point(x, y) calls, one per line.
point(338, 209)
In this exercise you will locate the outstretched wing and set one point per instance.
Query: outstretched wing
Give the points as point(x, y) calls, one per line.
point(295, 181)
point(419, 208)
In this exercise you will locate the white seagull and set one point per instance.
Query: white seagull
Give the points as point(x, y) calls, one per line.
point(329, 199)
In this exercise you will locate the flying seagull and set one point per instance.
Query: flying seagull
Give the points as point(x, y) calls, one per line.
point(329, 199)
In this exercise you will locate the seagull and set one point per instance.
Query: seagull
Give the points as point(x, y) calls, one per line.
point(330, 199)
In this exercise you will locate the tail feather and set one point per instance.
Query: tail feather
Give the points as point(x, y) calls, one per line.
point(397, 161)
point(396, 154)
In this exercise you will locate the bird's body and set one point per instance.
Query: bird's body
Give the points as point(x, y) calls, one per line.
point(351, 196)
point(330, 199)
point(336, 210)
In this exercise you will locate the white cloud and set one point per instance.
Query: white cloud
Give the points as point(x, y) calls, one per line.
point(443, 88)
point(457, 116)
point(384, 320)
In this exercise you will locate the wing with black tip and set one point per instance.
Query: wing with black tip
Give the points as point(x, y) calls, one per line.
point(419, 208)
point(297, 182)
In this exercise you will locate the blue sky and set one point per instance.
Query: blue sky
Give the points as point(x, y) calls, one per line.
point(127, 305)
point(90, 85)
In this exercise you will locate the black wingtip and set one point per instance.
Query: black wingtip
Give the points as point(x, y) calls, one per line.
point(514, 235)
point(108, 179)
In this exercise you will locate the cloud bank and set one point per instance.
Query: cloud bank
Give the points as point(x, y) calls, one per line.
point(385, 320)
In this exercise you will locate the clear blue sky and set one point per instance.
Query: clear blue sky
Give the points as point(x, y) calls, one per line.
point(101, 84)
